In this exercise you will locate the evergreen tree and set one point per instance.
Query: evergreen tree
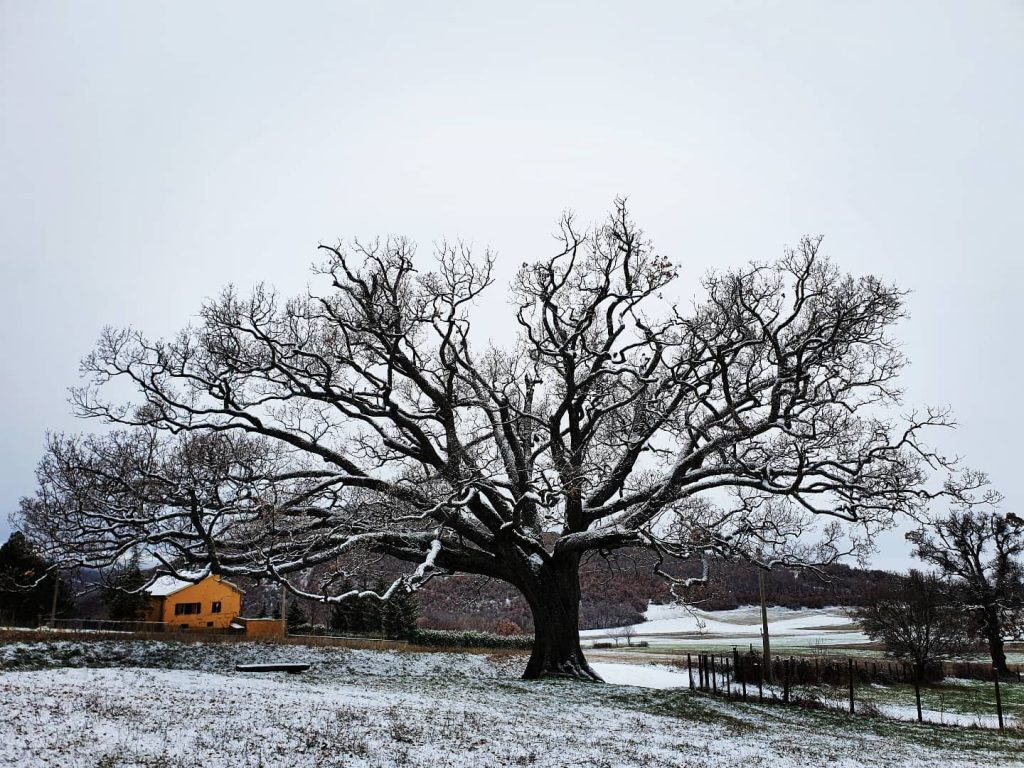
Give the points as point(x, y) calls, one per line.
point(390, 619)
point(399, 614)
point(410, 611)
point(295, 617)
point(26, 589)
point(364, 615)
point(123, 595)
point(375, 610)
point(346, 616)
point(339, 619)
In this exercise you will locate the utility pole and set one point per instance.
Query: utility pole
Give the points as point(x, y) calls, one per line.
point(53, 602)
point(284, 607)
point(764, 628)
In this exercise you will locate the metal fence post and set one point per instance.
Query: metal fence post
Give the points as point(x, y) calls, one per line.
point(999, 700)
point(917, 695)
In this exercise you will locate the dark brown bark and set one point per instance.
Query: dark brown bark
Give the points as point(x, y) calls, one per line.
point(553, 593)
point(994, 637)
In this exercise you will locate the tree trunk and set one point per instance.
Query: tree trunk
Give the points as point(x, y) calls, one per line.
point(995, 645)
point(553, 593)
point(994, 636)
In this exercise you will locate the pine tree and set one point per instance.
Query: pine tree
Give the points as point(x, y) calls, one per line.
point(399, 614)
point(410, 613)
point(123, 595)
point(361, 614)
point(26, 589)
point(390, 618)
point(375, 610)
point(295, 617)
point(345, 615)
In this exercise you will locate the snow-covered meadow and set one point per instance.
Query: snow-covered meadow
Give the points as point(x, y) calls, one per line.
point(175, 705)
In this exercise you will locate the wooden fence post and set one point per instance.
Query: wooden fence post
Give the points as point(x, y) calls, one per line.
point(999, 701)
point(850, 661)
point(714, 675)
point(760, 681)
point(917, 696)
point(746, 674)
point(689, 669)
point(785, 681)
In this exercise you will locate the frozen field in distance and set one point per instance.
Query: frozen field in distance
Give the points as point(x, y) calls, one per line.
point(671, 624)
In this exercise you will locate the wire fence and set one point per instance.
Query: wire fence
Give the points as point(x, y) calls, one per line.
point(109, 626)
point(104, 629)
point(856, 686)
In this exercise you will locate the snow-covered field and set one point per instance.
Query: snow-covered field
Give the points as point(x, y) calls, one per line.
point(177, 705)
point(673, 624)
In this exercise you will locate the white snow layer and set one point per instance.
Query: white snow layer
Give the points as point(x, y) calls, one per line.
point(162, 586)
point(366, 708)
point(641, 675)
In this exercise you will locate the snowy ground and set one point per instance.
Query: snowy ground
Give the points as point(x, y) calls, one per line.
point(675, 625)
point(955, 702)
point(181, 705)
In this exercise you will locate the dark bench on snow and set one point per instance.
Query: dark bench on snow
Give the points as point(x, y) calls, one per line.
point(292, 669)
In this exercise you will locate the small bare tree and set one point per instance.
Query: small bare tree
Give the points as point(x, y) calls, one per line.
point(626, 632)
point(361, 421)
point(702, 626)
point(980, 553)
point(915, 618)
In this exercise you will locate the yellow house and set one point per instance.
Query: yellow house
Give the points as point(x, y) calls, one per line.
point(184, 605)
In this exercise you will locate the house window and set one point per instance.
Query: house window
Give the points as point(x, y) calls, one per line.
point(209, 623)
point(184, 609)
point(215, 608)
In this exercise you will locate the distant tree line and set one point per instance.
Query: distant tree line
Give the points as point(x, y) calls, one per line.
point(617, 591)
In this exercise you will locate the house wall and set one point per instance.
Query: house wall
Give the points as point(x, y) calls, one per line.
point(205, 593)
point(260, 628)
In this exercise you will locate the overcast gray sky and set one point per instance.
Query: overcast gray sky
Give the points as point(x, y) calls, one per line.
point(151, 152)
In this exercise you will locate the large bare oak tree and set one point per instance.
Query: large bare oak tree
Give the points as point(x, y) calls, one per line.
point(275, 435)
